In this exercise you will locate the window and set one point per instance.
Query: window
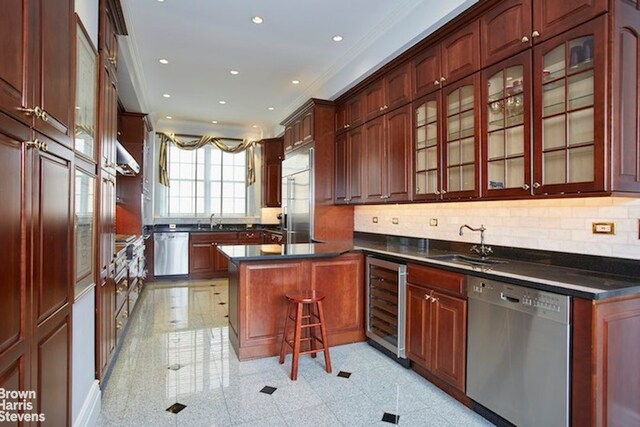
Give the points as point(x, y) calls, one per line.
point(206, 181)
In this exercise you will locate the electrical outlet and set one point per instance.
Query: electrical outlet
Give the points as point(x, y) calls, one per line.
point(433, 222)
point(375, 219)
point(394, 220)
point(603, 228)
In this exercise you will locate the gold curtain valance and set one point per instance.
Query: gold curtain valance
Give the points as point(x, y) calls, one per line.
point(204, 140)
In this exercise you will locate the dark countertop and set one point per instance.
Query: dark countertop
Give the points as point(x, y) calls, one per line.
point(578, 282)
point(237, 253)
point(193, 228)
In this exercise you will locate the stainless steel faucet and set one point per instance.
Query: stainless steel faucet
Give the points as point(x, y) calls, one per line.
point(212, 221)
point(481, 250)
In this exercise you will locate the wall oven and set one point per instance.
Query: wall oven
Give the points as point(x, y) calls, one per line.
point(386, 306)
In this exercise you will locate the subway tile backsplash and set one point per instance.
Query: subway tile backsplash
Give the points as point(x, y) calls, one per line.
point(552, 224)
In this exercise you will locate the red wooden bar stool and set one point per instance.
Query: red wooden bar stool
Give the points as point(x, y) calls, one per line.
point(301, 315)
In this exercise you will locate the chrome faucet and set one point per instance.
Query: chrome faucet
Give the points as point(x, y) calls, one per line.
point(212, 221)
point(481, 250)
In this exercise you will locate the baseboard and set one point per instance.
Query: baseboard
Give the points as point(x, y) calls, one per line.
point(88, 416)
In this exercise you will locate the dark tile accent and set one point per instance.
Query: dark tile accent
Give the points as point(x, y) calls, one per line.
point(221, 303)
point(175, 322)
point(175, 367)
point(216, 293)
point(390, 418)
point(344, 374)
point(268, 389)
point(213, 286)
point(226, 315)
point(176, 407)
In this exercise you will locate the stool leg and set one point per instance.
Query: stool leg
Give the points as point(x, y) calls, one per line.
point(296, 342)
point(283, 347)
point(325, 342)
point(310, 333)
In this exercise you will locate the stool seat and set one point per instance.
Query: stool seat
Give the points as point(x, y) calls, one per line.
point(304, 315)
point(305, 297)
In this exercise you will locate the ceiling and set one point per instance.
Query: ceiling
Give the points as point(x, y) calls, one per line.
point(204, 40)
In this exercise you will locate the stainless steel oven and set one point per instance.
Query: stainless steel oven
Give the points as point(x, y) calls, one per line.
point(386, 304)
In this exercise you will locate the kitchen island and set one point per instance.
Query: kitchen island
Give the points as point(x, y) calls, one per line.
point(260, 275)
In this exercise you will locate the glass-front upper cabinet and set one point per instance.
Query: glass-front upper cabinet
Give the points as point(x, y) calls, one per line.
point(427, 121)
point(461, 139)
point(85, 190)
point(569, 111)
point(507, 137)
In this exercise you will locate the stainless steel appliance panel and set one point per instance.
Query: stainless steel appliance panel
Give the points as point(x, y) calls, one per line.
point(386, 304)
point(298, 200)
point(518, 352)
point(171, 254)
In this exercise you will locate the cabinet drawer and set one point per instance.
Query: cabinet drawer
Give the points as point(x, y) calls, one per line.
point(224, 236)
point(436, 279)
point(121, 321)
point(250, 236)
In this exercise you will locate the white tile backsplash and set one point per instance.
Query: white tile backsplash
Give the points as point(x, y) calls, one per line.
point(550, 224)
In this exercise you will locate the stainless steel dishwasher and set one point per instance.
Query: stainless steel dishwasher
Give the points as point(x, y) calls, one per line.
point(518, 352)
point(170, 254)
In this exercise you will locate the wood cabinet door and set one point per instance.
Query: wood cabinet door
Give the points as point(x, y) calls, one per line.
point(14, 304)
point(427, 147)
point(419, 318)
point(374, 161)
point(273, 185)
point(461, 53)
point(570, 136)
point(201, 258)
point(355, 161)
point(398, 87)
point(15, 69)
point(374, 99)
point(340, 194)
point(506, 135)
point(461, 139)
point(449, 351)
point(343, 310)
point(398, 154)
point(108, 122)
point(355, 115)
point(288, 138)
point(505, 30)
point(53, 45)
point(551, 17)
point(307, 127)
point(426, 71)
point(106, 333)
point(341, 117)
point(107, 220)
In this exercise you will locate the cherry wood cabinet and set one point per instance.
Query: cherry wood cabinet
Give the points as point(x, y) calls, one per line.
point(387, 93)
point(551, 17)
point(273, 154)
point(349, 166)
point(505, 30)
point(426, 71)
point(460, 53)
point(387, 152)
point(349, 114)
point(257, 306)
point(506, 139)
point(205, 261)
point(437, 323)
point(427, 146)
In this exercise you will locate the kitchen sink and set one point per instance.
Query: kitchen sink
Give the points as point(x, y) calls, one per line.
point(468, 260)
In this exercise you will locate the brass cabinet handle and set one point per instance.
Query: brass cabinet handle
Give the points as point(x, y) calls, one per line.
point(37, 112)
point(525, 186)
point(535, 34)
point(443, 192)
point(525, 39)
point(536, 185)
point(112, 60)
point(437, 192)
point(384, 197)
point(37, 144)
point(442, 79)
point(436, 82)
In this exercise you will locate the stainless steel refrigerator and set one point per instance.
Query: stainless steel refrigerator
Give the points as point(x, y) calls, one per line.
point(297, 196)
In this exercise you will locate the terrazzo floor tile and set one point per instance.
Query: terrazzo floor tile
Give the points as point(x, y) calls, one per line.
point(219, 390)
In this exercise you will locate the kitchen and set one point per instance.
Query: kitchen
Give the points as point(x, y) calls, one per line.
point(529, 138)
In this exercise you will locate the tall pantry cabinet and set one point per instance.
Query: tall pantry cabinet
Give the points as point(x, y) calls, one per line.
point(36, 177)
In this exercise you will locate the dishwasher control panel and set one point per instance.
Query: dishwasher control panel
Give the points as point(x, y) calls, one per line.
point(533, 301)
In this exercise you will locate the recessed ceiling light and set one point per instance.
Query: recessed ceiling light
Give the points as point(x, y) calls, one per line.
point(166, 95)
point(271, 108)
point(163, 61)
point(234, 72)
point(257, 20)
point(337, 38)
point(255, 126)
point(160, 1)
point(222, 102)
point(215, 122)
point(295, 82)
point(169, 117)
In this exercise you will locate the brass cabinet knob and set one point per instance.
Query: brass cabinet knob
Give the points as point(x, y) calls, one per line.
point(535, 34)
point(442, 79)
point(525, 186)
point(525, 39)
point(436, 82)
point(536, 185)
point(436, 192)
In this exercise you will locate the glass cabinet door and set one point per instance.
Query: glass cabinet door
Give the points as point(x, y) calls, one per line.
point(569, 111)
point(461, 139)
point(427, 152)
point(507, 141)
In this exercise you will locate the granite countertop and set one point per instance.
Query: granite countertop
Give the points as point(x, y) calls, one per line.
point(563, 280)
point(237, 253)
point(194, 228)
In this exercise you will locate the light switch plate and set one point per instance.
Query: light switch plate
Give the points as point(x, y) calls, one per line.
point(603, 228)
point(394, 220)
point(433, 222)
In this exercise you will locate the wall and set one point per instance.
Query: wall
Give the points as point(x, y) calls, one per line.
point(552, 224)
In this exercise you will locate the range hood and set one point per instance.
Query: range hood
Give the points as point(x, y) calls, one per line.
point(125, 163)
